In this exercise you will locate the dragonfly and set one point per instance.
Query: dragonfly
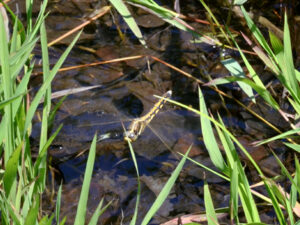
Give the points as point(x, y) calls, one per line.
point(138, 125)
point(167, 128)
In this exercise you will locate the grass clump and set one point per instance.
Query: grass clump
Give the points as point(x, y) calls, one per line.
point(23, 180)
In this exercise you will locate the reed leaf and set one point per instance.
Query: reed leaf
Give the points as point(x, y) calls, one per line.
point(209, 206)
point(82, 204)
point(236, 70)
point(124, 12)
point(165, 191)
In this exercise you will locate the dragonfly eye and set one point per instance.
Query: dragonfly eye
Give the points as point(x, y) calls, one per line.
point(132, 136)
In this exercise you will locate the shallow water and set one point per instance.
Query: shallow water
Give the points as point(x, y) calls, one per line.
point(126, 92)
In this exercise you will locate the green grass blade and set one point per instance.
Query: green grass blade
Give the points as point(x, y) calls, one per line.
point(29, 5)
point(43, 152)
point(256, 32)
point(40, 19)
point(10, 100)
point(225, 35)
point(296, 106)
point(122, 9)
point(21, 28)
point(286, 172)
point(280, 136)
point(234, 207)
point(295, 147)
point(95, 217)
point(24, 49)
point(209, 206)
point(252, 72)
point(168, 15)
point(46, 108)
point(275, 204)
point(10, 174)
point(236, 70)
point(288, 68)
point(32, 216)
point(242, 183)
point(53, 112)
point(46, 84)
point(8, 91)
point(46, 221)
point(276, 43)
point(207, 168)
point(165, 191)
point(58, 203)
point(82, 204)
point(138, 196)
point(98, 212)
point(7, 212)
point(264, 93)
point(209, 138)
point(15, 39)
point(294, 193)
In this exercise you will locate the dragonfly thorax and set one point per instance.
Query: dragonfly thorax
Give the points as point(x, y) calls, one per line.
point(135, 129)
point(138, 125)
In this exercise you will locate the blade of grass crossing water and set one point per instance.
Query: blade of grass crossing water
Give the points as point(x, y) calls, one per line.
point(169, 16)
point(42, 153)
point(209, 206)
point(264, 93)
point(207, 168)
point(122, 9)
point(256, 32)
point(252, 72)
point(165, 191)
point(280, 136)
point(216, 21)
point(82, 204)
point(236, 70)
point(209, 138)
point(54, 110)
point(138, 196)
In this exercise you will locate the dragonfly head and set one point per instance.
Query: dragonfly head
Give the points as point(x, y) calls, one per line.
point(129, 135)
point(135, 129)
